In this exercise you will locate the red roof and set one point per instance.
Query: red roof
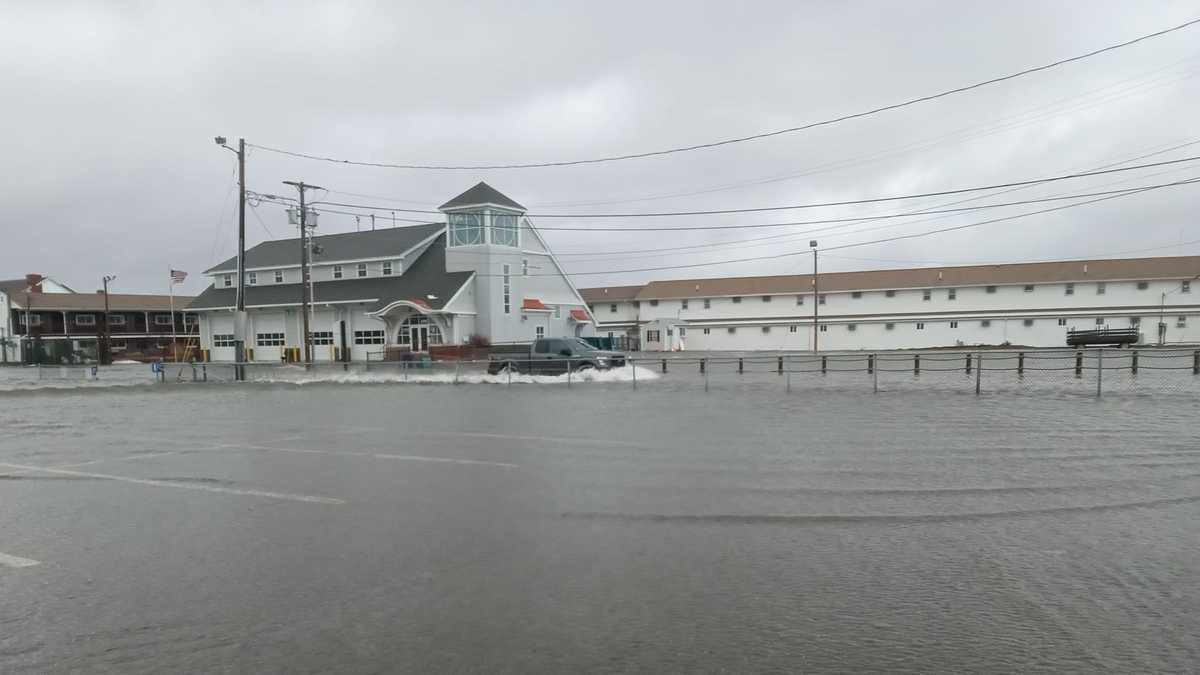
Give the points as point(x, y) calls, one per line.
point(420, 302)
point(533, 303)
point(579, 315)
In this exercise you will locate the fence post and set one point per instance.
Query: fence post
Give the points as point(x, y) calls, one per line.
point(823, 364)
point(1099, 370)
point(781, 365)
point(870, 363)
point(1078, 364)
point(741, 366)
point(664, 366)
point(568, 374)
point(968, 364)
point(705, 374)
point(702, 366)
point(633, 369)
point(1020, 363)
point(1133, 363)
point(874, 374)
point(978, 370)
point(204, 372)
point(1196, 362)
point(789, 382)
point(509, 370)
point(456, 362)
point(916, 364)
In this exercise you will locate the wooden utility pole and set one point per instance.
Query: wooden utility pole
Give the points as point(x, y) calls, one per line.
point(816, 294)
point(105, 355)
point(305, 275)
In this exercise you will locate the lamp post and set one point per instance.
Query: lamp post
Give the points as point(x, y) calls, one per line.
point(816, 293)
point(239, 316)
point(105, 355)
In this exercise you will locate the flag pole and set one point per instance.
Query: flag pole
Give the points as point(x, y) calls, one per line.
point(171, 293)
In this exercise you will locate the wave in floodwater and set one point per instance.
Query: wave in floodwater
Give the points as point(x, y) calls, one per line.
point(417, 376)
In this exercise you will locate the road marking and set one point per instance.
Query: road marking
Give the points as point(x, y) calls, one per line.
point(552, 439)
point(76, 465)
point(182, 485)
point(377, 455)
point(15, 561)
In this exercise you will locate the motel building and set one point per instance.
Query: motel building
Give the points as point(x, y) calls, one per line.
point(1023, 304)
point(485, 272)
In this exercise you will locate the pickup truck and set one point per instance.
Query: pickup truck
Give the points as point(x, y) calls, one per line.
point(553, 356)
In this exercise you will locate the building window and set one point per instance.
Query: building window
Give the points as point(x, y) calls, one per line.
point(279, 276)
point(34, 319)
point(851, 327)
point(799, 299)
point(337, 271)
point(1099, 321)
point(990, 289)
point(707, 303)
point(1143, 285)
point(558, 311)
point(85, 319)
point(1185, 286)
point(737, 299)
point(223, 340)
point(1028, 288)
point(682, 331)
point(683, 304)
point(1101, 288)
point(654, 303)
point(504, 229)
point(387, 268)
point(889, 293)
point(823, 328)
point(926, 294)
point(1062, 322)
point(362, 270)
point(1135, 321)
point(404, 336)
point(857, 295)
point(1028, 322)
point(612, 308)
point(889, 326)
point(506, 271)
point(731, 330)
point(920, 325)
point(368, 337)
point(116, 319)
point(954, 324)
point(766, 298)
point(524, 267)
point(952, 294)
point(1069, 289)
point(252, 278)
point(321, 337)
point(163, 320)
point(791, 329)
point(637, 303)
point(466, 229)
point(706, 331)
point(766, 329)
point(821, 300)
point(985, 323)
point(1181, 322)
point(227, 280)
point(269, 339)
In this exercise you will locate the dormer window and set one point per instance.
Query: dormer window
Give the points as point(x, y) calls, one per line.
point(362, 269)
point(466, 229)
point(227, 280)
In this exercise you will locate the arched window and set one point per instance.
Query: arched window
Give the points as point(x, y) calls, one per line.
point(433, 333)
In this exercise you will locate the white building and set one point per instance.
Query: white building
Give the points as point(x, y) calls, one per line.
point(485, 272)
point(1024, 304)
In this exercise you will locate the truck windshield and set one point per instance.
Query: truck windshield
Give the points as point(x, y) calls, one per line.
point(582, 345)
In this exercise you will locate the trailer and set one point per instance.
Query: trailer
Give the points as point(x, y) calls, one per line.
point(1103, 337)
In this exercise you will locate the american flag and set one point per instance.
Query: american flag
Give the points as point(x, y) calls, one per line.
point(177, 276)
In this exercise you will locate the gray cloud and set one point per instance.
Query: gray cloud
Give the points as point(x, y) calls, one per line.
point(111, 109)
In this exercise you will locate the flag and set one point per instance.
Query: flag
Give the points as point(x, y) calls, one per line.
point(177, 276)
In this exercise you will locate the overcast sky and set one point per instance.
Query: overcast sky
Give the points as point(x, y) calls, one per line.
point(110, 109)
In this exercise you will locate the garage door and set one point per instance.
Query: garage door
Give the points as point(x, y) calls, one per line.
point(220, 331)
point(269, 337)
point(324, 328)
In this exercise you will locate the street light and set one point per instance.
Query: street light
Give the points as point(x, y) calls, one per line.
point(105, 355)
point(816, 292)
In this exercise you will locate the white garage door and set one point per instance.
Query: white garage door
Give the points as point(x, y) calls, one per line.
point(220, 331)
point(269, 337)
point(325, 331)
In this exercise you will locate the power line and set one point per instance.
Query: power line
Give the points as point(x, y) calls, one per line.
point(743, 139)
point(876, 241)
point(1090, 256)
point(761, 209)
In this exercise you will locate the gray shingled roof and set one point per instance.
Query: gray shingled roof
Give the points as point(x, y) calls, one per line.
point(481, 194)
point(343, 246)
point(427, 276)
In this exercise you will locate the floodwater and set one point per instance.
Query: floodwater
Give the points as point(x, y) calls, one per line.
point(352, 526)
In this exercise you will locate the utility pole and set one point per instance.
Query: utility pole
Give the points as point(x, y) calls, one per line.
point(305, 277)
point(105, 354)
point(239, 316)
point(816, 293)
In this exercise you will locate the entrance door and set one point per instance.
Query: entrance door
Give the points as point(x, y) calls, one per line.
point(419, 338)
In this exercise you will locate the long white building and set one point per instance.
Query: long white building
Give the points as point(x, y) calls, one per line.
point(1024, 304)
point(484, 272)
